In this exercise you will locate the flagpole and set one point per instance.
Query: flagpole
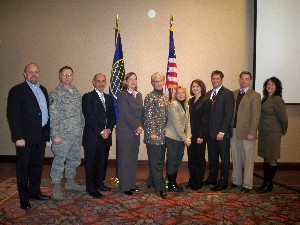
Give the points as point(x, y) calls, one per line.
point(171, 29)
point(117, 77)
point(171, 76)
point(116, 30)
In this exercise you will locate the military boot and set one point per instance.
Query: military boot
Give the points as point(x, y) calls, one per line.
point(57, 195)
point(71, 185)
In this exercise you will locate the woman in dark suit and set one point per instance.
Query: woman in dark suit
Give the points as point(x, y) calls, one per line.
point(199, 117)
point(129, 128)
point(178, 135)
point(272, 125)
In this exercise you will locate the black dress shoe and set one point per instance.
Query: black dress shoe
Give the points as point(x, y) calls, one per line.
point(128, 192)
point(163, 194)
point(25, 205)
point(41, 197)
point(188, 185)
point(233, 185)
point(206, 182)
point(245, 190)
point(104, 188)
point(219, 188)
point(96, 194)
point(134, 189)
point(194, 188)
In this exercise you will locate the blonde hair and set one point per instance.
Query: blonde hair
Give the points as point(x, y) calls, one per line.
point(158, 75)
point(175, 91)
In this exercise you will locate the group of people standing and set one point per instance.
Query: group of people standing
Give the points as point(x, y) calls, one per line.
point(219, 118)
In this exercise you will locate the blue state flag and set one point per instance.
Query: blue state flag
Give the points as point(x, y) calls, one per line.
point(117, 72)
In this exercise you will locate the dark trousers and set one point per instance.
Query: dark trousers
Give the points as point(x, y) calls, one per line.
point(29, 168)
point(156, 157)
point(196, 163)
point(175, 151)
point(95, 166)
point(218, 149)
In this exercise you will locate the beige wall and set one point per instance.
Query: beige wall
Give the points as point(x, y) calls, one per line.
point(209, 35)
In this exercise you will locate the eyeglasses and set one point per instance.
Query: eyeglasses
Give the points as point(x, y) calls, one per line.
point(67, 75)
point(158, 81)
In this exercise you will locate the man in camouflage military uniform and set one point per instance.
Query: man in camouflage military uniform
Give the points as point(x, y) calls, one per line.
point(66, 123)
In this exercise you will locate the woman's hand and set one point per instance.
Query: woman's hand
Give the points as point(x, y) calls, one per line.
point(153, 137)
point(199, 140)
point(138, 131)
point(187, 142)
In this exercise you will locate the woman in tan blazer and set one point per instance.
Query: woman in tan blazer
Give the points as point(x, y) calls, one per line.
point(178, 135)
point(272, 125)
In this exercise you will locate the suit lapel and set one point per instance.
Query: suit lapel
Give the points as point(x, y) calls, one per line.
point(98, 100)
point(220, 92)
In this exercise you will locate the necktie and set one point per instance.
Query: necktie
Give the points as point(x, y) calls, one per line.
point(241, 92)
point(103, 100)
point(214, 96)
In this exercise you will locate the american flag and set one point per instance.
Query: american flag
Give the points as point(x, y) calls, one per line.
point(171, 77)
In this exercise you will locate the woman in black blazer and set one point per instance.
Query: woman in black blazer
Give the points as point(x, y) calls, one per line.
point(199, 117)
point(129, 128)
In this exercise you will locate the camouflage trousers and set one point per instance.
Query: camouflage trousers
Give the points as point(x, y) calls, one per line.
point(67, 156)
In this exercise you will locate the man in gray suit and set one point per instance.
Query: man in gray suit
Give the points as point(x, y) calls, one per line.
point(243, 141)
point(220, 131)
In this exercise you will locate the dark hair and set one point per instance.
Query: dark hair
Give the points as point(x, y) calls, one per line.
point(65, 67)
point(217, 72)
point(246, 72)
point(278, 84)
point(201, 84)
point(127, 76)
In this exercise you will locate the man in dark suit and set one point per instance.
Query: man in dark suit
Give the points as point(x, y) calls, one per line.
point(220, 131)
point(28, 118)
point(98, 110)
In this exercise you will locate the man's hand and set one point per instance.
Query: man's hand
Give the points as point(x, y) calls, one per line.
point(57, 140)
point(220, 136)
point(250, 137)
point(105, 133)
point(20, 143)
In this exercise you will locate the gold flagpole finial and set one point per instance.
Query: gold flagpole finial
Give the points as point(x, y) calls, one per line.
point(117, 20)
point(171, 22)
point(116, 28)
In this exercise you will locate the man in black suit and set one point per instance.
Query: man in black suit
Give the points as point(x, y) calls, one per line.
point(220, 131)
point(28, 118)
point(98, 110)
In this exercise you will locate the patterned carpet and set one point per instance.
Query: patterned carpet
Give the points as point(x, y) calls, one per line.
point(281, 206)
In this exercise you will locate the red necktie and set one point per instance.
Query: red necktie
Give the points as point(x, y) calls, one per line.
point(214, 96)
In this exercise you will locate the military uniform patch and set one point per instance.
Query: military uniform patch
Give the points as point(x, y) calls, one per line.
point(51, 100)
